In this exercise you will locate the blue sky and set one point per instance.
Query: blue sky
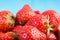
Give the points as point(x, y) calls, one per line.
point(42, 5)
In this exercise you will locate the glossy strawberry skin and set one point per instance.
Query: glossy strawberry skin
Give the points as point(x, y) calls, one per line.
point(31, 33)
point(6, 20)
point(24, 14)
point(51, 36)
point(7, 36)
point(17, 29)
point(53, 18)
point(38, 21)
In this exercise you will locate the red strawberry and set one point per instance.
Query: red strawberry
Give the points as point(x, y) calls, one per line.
point(6, 20)
point(1, 33)
point(37, 12)
point(17, 29)
point(39, 22)
point(24, 14)
point(8, 36)
point(31, 33)
point(53, 18)
point(51, 36)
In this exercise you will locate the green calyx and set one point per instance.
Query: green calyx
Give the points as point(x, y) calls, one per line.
point(15, 36)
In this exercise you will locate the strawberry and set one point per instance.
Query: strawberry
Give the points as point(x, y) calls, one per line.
point(17, 29)
point(8, 36)
point(51, 36)
point(37, 12)
point(31, 33)
point(53, 18)
point(6, 20)
point(1, 33)
point(24, 14)
point(38, 21)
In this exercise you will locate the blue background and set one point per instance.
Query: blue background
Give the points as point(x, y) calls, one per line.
point(42, 5)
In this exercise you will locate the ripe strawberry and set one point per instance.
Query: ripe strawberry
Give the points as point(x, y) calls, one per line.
point(53, 18)
point(1, 33)
point(51, 36)
point(8, 36)
point(24, 14)
point(31, 33)
point(17, 29)
point(37, 12)
point(6, 20)
point(39, 22)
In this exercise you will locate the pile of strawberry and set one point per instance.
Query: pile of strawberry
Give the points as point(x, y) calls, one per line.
point(29, 25)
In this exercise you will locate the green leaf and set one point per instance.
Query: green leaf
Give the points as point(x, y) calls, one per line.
point(15, 36)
